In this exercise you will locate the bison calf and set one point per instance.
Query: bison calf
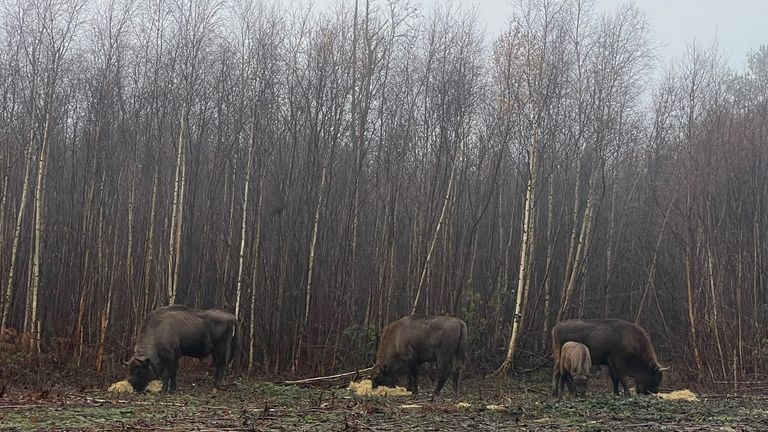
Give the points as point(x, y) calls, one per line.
point(410, 341)
point(574, 364)
point(171, 332)
point(622, 346)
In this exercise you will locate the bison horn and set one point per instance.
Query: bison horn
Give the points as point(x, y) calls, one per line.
point(663, 368)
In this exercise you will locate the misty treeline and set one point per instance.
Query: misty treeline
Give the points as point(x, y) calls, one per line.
point(323, 172)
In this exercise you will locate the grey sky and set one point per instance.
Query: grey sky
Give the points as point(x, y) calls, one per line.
point(740, 25)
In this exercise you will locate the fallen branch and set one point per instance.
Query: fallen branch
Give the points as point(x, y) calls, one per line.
point(2, 407)
point(329, 377)
point(101, 401)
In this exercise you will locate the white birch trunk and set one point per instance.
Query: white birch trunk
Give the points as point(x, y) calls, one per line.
point(8, 293)
point(32, 321)
point(176, 213)
point(243, 223)
point(526, 249)
point(312, 247)
point(548, 280)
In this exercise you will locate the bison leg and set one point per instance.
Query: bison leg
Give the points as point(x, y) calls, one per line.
point(571, 386)
point(456, 381)
point(624, 385)
point(616, 377)
point(413, 378)
point(556, 376)
point(172, 386)
point(220, 362)
point(169, 377)
point(443, 372)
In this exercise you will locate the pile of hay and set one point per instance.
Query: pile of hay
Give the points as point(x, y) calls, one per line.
point(497, 408)
point(679, 395)
point(364, 388)
point(124, 386)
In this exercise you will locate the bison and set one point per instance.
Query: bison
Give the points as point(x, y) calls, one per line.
point(175, 331)
point(410, 341)
point(574, 364)
point(622, 346)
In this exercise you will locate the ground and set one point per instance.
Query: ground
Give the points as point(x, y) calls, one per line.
point(250, 404)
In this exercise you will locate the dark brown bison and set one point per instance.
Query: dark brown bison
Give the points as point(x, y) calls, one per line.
point(622, 346)
point(175, 331)
point(410, 341)
point(574, 364)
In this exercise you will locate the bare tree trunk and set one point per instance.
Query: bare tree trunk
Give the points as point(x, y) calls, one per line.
point(435, 235)
point(3, 206)
point(581, 246)
point(757, 297)
point(303, 328)
point(692, 314)
point(149, 258)
point(526, 251)
point(572, 242)
point(550, 247)
point(102, 276)
point(610, 251)
point(8, 294)
point(241, 255)
point(256, 260)
point(650, 281)
point(715, 321)
point(177, 212)
point(32, 321)
point(230, 228)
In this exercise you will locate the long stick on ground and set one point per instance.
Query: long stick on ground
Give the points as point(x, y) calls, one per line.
point(322, 378)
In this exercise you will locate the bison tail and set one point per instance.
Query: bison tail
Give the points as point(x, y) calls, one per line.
point(461, 348)
point(555, 347)
point(233, 355)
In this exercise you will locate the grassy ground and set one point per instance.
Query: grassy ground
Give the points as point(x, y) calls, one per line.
point(249, 404)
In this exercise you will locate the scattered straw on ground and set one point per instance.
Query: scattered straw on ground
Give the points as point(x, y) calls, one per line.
point(497, 408)
point(679, 395)
point(125, 387)
point(463, 405)
point(410, 406)
point(364, 388)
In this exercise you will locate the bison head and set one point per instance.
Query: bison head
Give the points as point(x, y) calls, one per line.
point(650, 381)
point(139, 373)
point(580, 382)
point(382, 376)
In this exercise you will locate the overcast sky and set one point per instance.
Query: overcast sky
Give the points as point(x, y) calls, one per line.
point(740, 25)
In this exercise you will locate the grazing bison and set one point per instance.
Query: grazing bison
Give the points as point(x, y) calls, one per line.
point(574, 364)
point(172, 332)
point(622, 346)
point(410, 341)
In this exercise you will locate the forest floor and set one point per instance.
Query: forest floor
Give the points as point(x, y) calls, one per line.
point(51, 401)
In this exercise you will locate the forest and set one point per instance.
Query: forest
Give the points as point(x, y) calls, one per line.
point(320, 172)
